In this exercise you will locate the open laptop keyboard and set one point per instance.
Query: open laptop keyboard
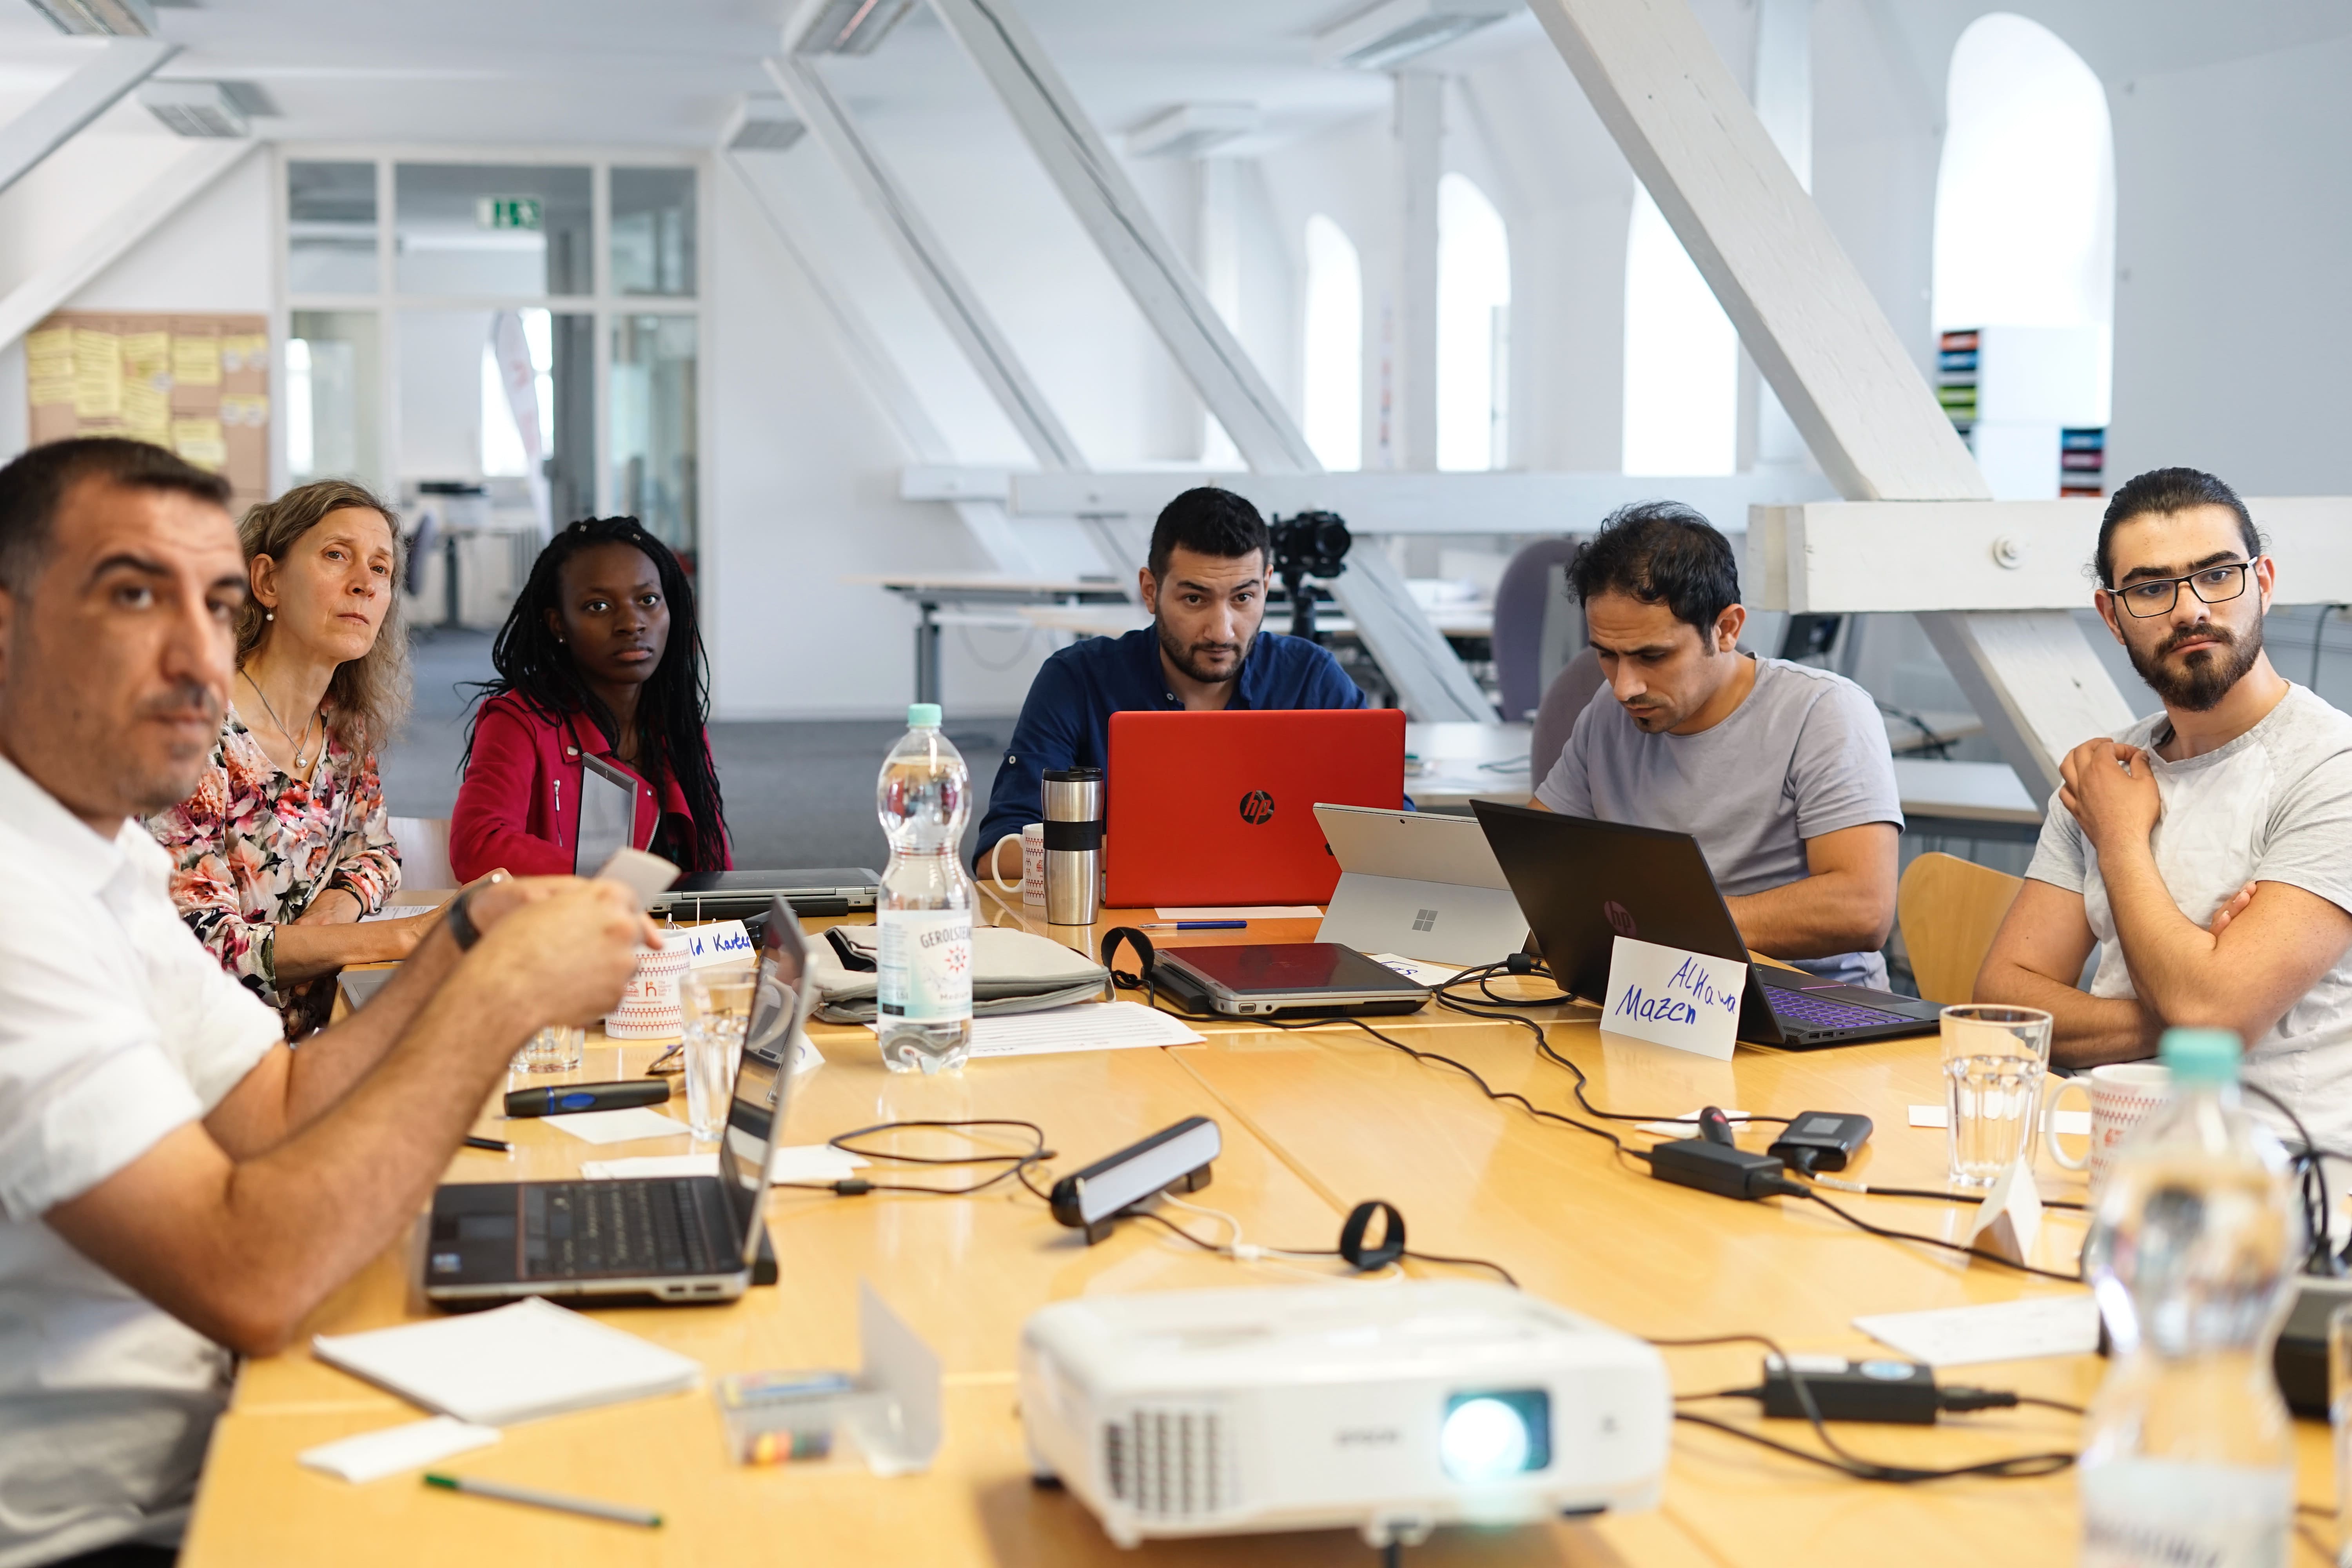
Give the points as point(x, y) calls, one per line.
point(574, 1230)
point(1820, 1012)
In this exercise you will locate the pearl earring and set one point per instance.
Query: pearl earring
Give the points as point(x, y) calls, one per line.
point(269, 614)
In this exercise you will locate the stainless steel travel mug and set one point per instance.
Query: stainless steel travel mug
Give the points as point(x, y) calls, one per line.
point(1073, 836)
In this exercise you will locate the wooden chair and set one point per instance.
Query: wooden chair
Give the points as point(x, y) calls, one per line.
point(1949, 909)
point(424, 855)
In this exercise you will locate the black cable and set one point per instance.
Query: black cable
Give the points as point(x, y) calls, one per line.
point(1392, 1556)
point(1017, 1164)
point(1483, 975)
point(1223, 1251)
point(1863, 1225)
point(1840, 1458)
point(1869, 1191)
point(2052, 1404)
point(2319, 1219)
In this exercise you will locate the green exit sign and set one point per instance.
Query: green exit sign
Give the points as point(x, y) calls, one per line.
point(507, 212)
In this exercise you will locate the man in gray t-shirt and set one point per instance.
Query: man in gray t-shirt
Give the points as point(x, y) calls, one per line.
point(1780, 771)
point(2207, 849)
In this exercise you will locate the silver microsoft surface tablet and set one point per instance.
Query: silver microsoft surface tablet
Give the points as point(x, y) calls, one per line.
point(1418, 885)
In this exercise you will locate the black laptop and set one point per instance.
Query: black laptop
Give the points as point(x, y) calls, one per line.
point(665, 1239)
point(1583, 884)
point(741, 895)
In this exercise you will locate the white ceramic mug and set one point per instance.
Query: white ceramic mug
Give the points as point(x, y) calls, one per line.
point(1033, 864)
point(2122, 1095)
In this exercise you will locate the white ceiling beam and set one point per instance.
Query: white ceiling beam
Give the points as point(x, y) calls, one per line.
point(120, 65)
point(1822, 341)
point(1429, 680)
point(1113, 213)
point(2009, 555)
point(133, 219)
point(975, 332)
point(1375, 502)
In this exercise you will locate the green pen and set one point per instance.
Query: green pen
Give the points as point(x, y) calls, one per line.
point(532, 1498)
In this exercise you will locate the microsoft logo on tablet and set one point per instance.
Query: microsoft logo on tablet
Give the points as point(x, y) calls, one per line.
point(1257, 808)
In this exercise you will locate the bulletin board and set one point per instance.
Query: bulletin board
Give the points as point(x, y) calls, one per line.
point(196, 383)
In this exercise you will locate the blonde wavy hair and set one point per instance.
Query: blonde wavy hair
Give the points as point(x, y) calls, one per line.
point(369, 696)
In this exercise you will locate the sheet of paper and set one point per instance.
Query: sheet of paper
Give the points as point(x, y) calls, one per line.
point(2074, 1121)
point(1667, 997)
point(720, 941)
point(372, 1456)
point(1246, 913)
point(2002, 1330)
point(1418, 971)
point(512, 1364)
point(1688, 1126)
point(624, 1126)
point(1085, 1026)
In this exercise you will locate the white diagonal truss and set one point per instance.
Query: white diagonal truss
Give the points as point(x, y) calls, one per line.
point(1429, 678)
point(132, 219)
point(119, 65)
point(1820, 340)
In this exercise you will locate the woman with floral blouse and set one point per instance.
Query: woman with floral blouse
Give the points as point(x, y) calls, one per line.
point(284, 846)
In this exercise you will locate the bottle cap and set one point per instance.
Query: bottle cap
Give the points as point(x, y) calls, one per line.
point(2200, 1056)
point(922, 715)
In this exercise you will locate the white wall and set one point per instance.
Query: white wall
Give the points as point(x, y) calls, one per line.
point(804, 491)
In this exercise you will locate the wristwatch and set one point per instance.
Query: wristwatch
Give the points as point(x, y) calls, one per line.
point(460, 921)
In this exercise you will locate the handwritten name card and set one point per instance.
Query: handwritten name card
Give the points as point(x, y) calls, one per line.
point(1669, 997)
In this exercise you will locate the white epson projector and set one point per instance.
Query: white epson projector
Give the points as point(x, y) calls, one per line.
point(1391, 1407)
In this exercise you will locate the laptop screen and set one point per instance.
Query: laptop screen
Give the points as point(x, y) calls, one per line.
point(764, 1082)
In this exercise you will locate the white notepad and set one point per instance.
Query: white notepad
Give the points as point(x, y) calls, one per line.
point(512, 1364)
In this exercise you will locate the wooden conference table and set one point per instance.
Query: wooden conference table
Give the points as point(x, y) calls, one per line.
point(1313, 1122)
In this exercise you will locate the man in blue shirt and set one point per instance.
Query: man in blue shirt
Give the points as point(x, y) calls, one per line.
point(1206, 586)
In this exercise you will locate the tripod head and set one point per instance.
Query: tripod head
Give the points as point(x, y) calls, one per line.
point(1307, 544)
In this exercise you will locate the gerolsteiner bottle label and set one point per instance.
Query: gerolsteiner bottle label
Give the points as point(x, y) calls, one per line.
point(2171, 1513)
point(923, 965)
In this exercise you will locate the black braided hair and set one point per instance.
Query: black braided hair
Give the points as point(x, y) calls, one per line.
point(673, 706)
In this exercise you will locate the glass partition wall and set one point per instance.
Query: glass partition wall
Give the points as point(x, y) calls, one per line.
point(521, 332)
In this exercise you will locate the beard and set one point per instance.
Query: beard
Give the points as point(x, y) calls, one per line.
point(156, 782)
point(2196, 684)
point(1187, 657)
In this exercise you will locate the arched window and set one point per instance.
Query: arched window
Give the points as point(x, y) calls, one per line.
point(2025, 199)
point(1682, 358)
point(1474, 320)
point(1333, 344)
point(2025, 249)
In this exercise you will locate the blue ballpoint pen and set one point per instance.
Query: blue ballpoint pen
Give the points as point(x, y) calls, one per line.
point(1197, 925)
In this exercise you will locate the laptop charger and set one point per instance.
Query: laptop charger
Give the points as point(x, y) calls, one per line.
point(1718, 1168)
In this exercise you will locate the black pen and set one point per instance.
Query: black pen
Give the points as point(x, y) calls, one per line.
point(492, 1144)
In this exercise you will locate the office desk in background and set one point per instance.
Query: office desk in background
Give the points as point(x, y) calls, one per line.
point(928, 591)
point(1313, 1120)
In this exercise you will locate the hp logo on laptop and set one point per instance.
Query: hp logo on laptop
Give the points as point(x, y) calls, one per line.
point(1620, 917)
point(1424, 919)
point(1257, 808)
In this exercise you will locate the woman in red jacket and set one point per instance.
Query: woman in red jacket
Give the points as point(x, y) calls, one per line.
point(599, 657)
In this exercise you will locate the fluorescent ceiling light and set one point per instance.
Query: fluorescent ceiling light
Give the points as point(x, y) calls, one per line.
point(761, 122)
point(853, 27)
point(194, 108)
point(1190, 129)
point(1394, 31)
point(119, 18)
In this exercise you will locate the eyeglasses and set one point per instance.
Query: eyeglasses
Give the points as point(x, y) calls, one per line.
point(2155, 597)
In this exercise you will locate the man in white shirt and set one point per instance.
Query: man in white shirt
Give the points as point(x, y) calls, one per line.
point(2208, 848)
point(175, 1184)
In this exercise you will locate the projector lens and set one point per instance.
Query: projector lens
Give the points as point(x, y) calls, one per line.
point(1488, 1435)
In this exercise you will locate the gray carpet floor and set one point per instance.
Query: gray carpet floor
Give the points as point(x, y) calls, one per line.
point(797, 793)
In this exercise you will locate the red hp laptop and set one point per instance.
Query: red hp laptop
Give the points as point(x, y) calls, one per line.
point(1218, 808)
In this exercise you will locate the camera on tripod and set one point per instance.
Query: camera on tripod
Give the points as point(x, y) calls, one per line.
point(1307, 544)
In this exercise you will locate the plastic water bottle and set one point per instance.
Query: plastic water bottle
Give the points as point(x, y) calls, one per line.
point(925, 908)
point(2189, 1455)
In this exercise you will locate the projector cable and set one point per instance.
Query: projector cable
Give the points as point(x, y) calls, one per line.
point(1839, 1457)
point(1360, 1253)
point(1016, 1165)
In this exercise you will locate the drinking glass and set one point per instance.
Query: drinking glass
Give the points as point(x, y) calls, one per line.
point(1995, 1058)
point(715, 1008)
point(559, 1048)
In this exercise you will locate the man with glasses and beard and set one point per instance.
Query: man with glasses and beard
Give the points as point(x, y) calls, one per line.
point(2207, 849)
point(1206, 586)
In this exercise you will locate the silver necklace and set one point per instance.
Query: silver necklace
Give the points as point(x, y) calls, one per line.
point(299, 745)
